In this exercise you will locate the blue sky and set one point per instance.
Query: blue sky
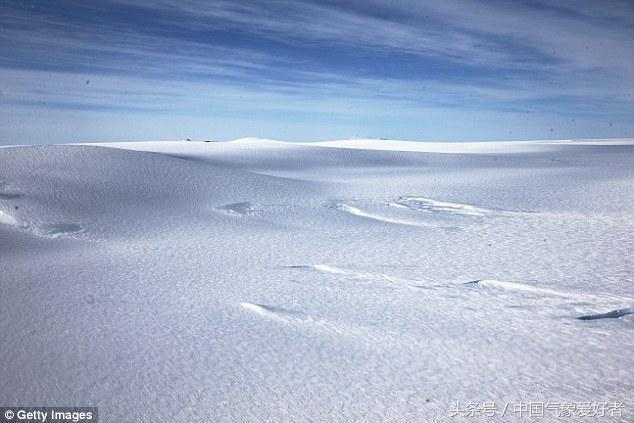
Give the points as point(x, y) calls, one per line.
point(454, 70)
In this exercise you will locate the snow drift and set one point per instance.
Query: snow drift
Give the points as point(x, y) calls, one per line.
point(353, 280)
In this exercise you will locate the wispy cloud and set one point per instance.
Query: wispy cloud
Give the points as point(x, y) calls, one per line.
point(351, 66)
point(501, 34)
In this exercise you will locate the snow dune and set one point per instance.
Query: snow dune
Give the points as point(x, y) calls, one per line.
point(357, 280)
point(486, 147)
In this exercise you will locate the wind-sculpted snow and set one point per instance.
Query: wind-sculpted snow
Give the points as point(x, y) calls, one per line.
point(311, 323)
point(9, 195)
point(435, 206)
point(241, 208)
point(560, 298)
point(265, 281)
point(614, 314)
point(419, 211)
point(6, 193)
point(513, 286)
point(376, 216)
point(59, 229)
point(8, 219)
point(276, 313)
point(46, 230)
point(377, 278)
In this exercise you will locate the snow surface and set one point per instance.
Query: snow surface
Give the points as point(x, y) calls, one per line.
point(358, 280)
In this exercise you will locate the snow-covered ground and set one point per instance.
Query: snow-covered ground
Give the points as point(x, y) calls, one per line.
point(356, 280)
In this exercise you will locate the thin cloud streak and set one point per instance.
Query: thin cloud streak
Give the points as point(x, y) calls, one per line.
point(350, 65)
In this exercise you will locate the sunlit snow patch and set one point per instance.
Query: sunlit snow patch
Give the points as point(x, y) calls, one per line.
point(275, 313)
point(514, 286)
point(240, 209)
point(435, 206)
point(304, 321)
point(7, 219)
point(392, 282)
point(355, 211)
point(417, 211)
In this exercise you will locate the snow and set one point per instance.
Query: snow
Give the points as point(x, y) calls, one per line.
point(356, 280)
point(499, 147)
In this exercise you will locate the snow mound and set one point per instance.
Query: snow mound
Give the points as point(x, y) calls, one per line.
point(242, 280)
